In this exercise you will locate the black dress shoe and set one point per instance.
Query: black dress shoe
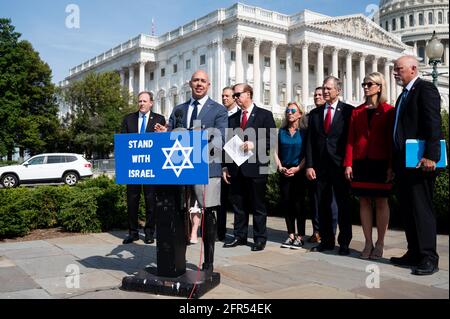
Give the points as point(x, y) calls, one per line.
point(149, 239)
point(258, 246)
point(344, 250)
point(321, 248)
point(426, 267)
point(407, 260)
point(235, 242)
point(129, 239)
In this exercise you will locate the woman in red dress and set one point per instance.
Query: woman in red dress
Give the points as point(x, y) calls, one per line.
point(368, 160)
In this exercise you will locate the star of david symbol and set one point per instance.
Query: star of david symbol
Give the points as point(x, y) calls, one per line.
point(175, 149)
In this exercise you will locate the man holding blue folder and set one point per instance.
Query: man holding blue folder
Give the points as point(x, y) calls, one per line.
point(417, 117)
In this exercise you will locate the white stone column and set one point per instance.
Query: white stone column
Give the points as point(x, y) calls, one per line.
point(273, 75)
point(375, 64)
point(256, 72)
point(393, 88)
point(289, 74)
point(319, 71)
point(446, 53)
point(358, 86)
point(305, 73)
point(348, 72)
point(415, 50)
point(426, 60)
point(210, 69)
point(387, 78)
point(122, 77)
point(238, 62)
point(362, 73)
point(131, 79)
point(141, 76)
point(219, 69)
point(334, 62)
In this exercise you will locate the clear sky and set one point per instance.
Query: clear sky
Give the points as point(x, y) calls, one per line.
point(107, 23)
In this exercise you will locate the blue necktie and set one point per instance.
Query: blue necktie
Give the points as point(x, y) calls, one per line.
point(143, 125)
point(397, 114)
point(194, 113)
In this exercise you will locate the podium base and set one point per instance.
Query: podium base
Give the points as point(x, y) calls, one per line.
point(147, 280)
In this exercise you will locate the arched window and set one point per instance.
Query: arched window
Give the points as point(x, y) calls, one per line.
point(394, 24)
point(411, 20)
point(387, 26)
point(440, 18)
point(420, 19)
point(402, 22)
point(430, 17)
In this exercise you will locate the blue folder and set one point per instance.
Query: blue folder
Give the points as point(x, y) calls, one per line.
point(414, 153)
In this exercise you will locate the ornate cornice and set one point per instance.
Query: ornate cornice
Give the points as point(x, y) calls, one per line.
point(357, 27)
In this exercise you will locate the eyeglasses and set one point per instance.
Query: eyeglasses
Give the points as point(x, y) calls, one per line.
point(237, 94)
point(369, 84)
point(290, 111)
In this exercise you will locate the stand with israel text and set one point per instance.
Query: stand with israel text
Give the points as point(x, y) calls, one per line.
point(171, 161)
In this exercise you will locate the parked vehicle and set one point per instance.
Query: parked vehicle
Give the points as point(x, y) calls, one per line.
point(45, 168)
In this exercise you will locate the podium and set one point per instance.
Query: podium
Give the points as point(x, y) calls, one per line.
point(170, 277)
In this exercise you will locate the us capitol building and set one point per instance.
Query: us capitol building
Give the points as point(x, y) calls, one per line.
point(284, 57)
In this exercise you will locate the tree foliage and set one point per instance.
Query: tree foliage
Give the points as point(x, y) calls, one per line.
point(97, 105)
point(28, 110)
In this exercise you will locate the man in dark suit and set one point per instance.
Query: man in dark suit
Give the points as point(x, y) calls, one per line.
point(248, 181)
point(142, 121)
point(417, 117)
point(201, 112)
point(231, 106)
point(325, 151)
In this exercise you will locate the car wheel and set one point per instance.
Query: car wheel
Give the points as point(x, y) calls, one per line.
point(70, 178)
point(10, 181)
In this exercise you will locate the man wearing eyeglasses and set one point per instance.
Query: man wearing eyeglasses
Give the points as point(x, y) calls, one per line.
point(325, 151)
point(417, 117)
point(248, 181)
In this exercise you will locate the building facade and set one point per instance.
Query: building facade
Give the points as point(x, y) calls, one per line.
point(284, 57)
point(414, 21)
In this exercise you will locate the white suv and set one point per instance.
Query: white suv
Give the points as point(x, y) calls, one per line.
point(43, 168)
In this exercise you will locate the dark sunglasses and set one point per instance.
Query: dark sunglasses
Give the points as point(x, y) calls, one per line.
point(369, 84)
point(237, 94)
point(291, 111)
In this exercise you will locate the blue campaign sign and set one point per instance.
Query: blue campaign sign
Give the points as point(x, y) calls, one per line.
point(172, 158)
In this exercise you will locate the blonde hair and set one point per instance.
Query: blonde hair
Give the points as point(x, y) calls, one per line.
point(378, 78)
point(300, 108)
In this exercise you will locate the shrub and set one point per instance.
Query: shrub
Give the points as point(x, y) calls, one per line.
point(79, 213)
point(14, 223)
point(111, 202)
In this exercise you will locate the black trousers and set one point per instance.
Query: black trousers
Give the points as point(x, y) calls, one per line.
point(332, 179)
point(314, 206)
point(209, 234)
point(133, 199)
point(222, 211)
point(416, 207)
point(248, 196)
point(293, 190)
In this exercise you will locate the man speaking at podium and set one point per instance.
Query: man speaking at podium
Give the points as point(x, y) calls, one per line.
point(201, 112)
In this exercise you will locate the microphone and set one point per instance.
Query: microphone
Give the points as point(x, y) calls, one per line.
point(178, 118)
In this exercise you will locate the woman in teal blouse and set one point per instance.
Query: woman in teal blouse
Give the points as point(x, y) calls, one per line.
point(290, 162)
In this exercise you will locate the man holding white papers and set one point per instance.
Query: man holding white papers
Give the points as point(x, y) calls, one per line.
point(248, 181)
point(417, 117)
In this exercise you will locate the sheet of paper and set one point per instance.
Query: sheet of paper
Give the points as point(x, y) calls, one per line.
point(233, 149)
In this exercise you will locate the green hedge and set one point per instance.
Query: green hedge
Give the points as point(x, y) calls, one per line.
point(93, 205)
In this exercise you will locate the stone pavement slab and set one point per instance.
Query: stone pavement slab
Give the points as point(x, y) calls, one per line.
point(15, 279)
point(26, 294)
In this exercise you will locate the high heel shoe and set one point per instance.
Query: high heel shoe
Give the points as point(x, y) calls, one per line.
point(367, 252)
point(377, 252)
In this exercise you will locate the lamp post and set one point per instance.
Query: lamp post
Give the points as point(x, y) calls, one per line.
point(434, 51)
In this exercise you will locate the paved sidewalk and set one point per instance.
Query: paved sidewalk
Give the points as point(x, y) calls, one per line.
point(42, 269)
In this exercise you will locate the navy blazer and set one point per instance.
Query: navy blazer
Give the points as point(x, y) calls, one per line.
point(212, 116)
point(130, 122)
point(259, 118)
point(420, 118)
point(320, 147)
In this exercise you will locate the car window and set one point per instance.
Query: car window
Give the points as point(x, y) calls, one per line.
point(36, 160)
point(54, 159)
point(70, 159)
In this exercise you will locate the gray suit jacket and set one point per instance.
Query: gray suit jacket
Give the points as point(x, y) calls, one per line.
point(214, 118)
